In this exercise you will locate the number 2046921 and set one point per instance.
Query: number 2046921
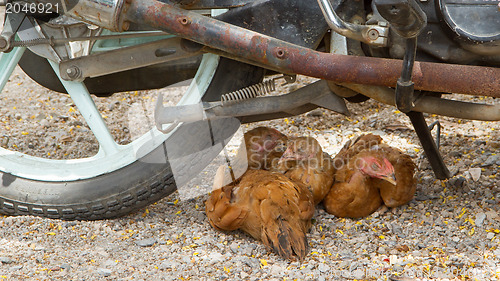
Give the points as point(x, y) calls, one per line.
point(31, 8)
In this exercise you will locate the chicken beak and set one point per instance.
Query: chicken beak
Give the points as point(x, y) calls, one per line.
point(391, 178)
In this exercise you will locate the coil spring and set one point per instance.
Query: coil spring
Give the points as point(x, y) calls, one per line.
point(32, 42)
point(249, 92)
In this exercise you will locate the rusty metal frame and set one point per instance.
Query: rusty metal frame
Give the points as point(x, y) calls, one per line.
point(259, 49)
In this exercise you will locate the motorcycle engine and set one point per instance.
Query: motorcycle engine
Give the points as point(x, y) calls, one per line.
point(474, 24)
point(457, 31)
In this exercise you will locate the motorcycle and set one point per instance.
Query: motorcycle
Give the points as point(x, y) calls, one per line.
point(406, 53)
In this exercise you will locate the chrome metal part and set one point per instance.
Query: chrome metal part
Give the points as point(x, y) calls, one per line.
point(433, 105)
point(317, 94)
point(103, 13)
point(375, 35)
point(125, 58)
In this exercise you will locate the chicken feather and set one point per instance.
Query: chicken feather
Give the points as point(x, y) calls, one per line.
point(269, 207)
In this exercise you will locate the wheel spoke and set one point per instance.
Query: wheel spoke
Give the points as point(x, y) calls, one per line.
point(82, 99)
point(8, 62)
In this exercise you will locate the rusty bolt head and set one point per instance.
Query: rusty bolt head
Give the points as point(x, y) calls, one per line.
point(280, 53)
point(184, 21)
point(125, 25)
point(373, 34)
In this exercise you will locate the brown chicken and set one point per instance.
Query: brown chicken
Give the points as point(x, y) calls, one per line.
point(402, 192)
point(370, 173)
point(305, 161)
point(354, 193)
point(393, 195)
point(268, 206)
point(261, 148)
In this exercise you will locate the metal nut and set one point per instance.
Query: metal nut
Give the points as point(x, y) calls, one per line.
point(373, 34)
point(73, 72)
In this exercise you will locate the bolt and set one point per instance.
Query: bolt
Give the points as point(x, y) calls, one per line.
point(125, 25)
point(373, 34)
point(184, 21)
point(280, 53)
point(3, 43)
point(73, 72)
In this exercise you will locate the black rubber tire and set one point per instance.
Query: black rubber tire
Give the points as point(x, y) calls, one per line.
point(137, 185)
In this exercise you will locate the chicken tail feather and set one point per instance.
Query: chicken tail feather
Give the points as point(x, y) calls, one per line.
point(285, 239)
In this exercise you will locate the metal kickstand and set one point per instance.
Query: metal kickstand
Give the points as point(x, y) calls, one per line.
point(408, 20)
point(430, 148)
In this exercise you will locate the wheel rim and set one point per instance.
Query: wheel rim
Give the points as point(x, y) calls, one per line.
point(111, 156)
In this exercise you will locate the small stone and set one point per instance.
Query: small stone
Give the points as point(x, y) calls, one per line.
point(480, 219)
point(323, 268)
point(16, 267)
point(479, 142)
point(358, 274)
point(146, 242)
point(234, 247)
point(6, 260)
point(44, 123)
point(493, 159)
point(65, 266)
point(457, 181)
point(215, 258)
point(454, 171)
point(104, 271)
point(475, 173)
point(40, 116)
point(494, 144)
point(492, 215)
point(315, 113)
point(276, 270)
point(490, 235)
point(243, 275)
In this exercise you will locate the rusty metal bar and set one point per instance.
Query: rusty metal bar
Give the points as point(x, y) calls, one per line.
point(434, 105)
point(290, 58)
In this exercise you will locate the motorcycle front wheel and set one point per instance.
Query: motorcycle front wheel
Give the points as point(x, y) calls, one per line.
point(119, 179)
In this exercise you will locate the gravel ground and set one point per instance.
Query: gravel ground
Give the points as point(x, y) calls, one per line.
point(450, 231)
